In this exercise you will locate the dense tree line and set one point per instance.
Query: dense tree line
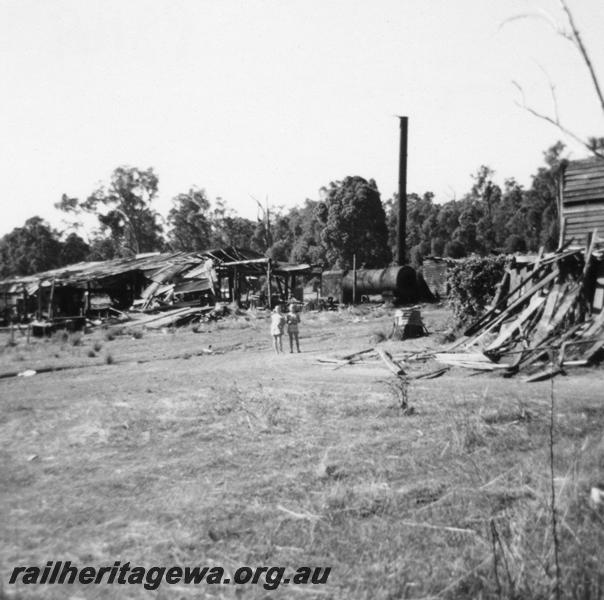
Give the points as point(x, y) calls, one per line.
point(350, 219)
point(489, 219)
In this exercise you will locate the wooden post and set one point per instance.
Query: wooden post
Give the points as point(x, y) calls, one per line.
point(268, 282)
point(279, 287)
point(25, 300)
point(39, 315)
point(87, 303)
point(28, 332)
point(231, 286)
point(50, 299)
point(354, 278)
point(12, 333)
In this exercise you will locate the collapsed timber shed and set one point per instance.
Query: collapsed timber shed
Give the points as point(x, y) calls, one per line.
point(547, 316)
point(183, 281)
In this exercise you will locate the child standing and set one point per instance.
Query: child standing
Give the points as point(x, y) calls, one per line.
point(277, 325)
point(293, 319)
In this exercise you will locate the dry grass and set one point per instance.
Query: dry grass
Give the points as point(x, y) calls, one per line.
point(249, 458)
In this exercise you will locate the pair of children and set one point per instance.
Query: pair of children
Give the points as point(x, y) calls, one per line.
point(278, 322)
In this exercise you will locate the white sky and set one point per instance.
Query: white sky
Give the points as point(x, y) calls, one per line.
point(279, 97)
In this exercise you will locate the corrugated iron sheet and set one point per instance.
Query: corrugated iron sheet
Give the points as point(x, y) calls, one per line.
point(434, 271)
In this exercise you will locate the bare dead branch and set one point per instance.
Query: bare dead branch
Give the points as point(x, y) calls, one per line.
point(576, 36)
point(541, 15)
point(552, 88)
point(555, 122)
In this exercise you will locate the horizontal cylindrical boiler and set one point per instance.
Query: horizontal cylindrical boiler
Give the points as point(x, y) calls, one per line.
point(399, 282)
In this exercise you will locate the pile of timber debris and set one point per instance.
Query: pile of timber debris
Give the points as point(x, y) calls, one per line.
point(400, 365)
point(546, 316)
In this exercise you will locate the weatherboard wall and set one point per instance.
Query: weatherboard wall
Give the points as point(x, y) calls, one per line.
point(583, 199)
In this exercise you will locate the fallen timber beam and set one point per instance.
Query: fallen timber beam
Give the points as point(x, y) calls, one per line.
point(251, 261)
point(550, 331)
point(396, 368)
point(432, 374)
point(516, 304)
point(547, 373)
point(475, 327)
point(535, 303)
point(349, 358)
point(528, 356)
point(332, 361)
point(477, 361)
point(596, 344)
point(357, 354)
point(589, 252)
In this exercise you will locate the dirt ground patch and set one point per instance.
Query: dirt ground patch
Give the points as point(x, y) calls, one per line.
point(166, 455)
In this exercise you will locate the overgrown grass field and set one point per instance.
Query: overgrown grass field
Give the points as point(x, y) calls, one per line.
point(167, 455)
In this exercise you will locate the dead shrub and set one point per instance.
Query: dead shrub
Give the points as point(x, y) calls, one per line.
point(506, 416)
point(75, 339)
point(378, 336)
point(363, 500)
point(60, 337)
point(399, 388)
point(470, 433)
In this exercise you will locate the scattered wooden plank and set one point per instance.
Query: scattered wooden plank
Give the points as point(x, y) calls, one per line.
point(144, 319)
point(591, 352)
point(354, 355)
point(528, 356)
point(475, 327)
point(535, 303)
point(171, 318)
point(514, 305)
point(589, 251)
point(431, 374)
point(470, 360)
point(396, 368)
point(547, 373)
point(332, 361)
point(561, 312)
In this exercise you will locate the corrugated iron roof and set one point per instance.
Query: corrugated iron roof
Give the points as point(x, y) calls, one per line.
point(187, 264)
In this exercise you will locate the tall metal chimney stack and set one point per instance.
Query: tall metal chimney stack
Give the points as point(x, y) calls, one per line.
point(402, 195)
